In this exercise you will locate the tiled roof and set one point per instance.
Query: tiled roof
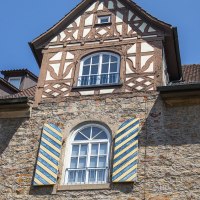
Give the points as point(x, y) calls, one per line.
point(191, 73)
point(26, 71)
point(30, 92)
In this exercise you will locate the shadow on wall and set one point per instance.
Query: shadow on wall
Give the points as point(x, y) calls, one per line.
point(173, 126)
point(8, 127)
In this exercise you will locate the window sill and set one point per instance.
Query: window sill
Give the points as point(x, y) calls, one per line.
point(96, 86)
point(84, 187)
point(103, 24)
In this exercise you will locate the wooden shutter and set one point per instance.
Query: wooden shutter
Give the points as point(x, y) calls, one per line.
point(48, 157)
point(126, 152)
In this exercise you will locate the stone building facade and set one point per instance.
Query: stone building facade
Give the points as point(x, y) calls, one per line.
point(105, 63)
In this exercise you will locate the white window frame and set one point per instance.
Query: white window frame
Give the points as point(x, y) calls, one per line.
point(15, 78)
point(104, 17)
point(89, 142)
point(100, 54)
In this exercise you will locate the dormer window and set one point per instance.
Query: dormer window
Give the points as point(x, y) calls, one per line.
point(104, 19)
point(16, 81)
point(99, 69)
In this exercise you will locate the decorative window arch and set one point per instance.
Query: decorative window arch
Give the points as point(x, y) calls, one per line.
point(100, 68)
point(88, 162)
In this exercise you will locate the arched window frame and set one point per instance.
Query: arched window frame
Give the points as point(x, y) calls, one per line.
point(89, 142)
point(108, 78)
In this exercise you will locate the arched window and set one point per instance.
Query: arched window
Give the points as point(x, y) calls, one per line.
point(89, 156)
point(99, 69)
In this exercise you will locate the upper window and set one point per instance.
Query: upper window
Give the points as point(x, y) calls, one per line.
point(104, 19)
point(89, 157)
point(16, 81)
point(99, 69)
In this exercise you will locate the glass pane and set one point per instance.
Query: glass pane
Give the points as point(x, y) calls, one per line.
point(83, 151)
point(87, 62)
point(81, 176)
point(113, 67)
point(101, 175)
point(15, 82)
point(104, 68)
point(93, 162)
point(85, 80)
point(72, 176)
point(94, 69)
point(73, 164)
point(103, 149)
point(113, 78)
point(86, 132)
point(79, 136)
point(94, 150)
point(82, 162)
point(102, 135)
point(104, 20)
point(93, 79)
point(95, 59)
point(92, 175)
point(75, 150)
point(86, 70)
point(106, 58)
point(104, 79)
point(102, 161)
point(114, 59)
point(95, 131)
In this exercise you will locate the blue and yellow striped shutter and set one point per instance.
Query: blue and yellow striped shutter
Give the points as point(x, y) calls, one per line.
point(48, 158)
point(126, 152)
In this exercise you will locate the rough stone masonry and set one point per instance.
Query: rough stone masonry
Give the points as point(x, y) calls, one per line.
point(169, 148)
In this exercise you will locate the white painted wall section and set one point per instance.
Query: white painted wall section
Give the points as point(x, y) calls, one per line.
point(145, 47)
point(89, 20)
point(57, 56)
point(119, 17)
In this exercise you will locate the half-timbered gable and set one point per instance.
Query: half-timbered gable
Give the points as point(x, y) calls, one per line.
point(109, 28)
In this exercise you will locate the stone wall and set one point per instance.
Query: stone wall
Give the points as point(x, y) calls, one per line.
point(169, 148)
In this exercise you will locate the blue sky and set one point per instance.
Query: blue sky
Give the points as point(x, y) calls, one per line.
point(21, 21)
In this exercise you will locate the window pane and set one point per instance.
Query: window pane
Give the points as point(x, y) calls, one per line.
point(103, 149)
point(113, 78)
point(94, 69)
point(95, 59)
point(114, 59)
point(104, 20)
point(74, 163)
point(75, 150)
point(87, 62)
point(95, 131)
point(15, 82)
point(104, 79)
point(113, 67)
point(86, 132)
point(106, 58)
point(101, 175)
point(86, 70)
point(92, 175)
point(83, 151)
point(82, 162)
point(85, 80)
point(94, 150)
point(105, 68)
point(102, 135)
point(79, 136)
point(80, 176)
point(93, 162)
point(93, 79)
point(72, 177)
point(102, 161)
